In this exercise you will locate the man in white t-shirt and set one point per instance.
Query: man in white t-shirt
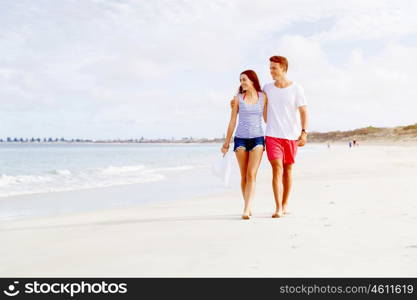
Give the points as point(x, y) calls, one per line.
point(283, 131)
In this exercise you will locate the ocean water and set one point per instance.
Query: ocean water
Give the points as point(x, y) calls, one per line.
point(39, 168)
point(159, 171)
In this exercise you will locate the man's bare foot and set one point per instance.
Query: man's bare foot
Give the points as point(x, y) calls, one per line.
point(245, 217)
point(277, 214)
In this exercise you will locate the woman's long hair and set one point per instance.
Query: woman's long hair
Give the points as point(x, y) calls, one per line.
point(252, 77)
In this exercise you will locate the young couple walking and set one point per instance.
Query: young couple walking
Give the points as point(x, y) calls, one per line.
point(278, 103)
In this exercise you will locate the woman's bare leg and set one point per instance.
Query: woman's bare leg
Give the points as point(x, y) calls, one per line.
point(242, 157)
point(255, 157)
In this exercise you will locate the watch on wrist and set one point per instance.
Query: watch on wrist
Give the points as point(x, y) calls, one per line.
point(303, 131)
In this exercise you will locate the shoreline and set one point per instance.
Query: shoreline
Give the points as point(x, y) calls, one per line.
point(130, 188)
point(96, 199)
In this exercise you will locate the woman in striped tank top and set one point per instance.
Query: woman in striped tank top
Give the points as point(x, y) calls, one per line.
point(249, 142)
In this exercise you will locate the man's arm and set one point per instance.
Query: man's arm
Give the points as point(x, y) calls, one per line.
point(302, 139)
point(265, 107)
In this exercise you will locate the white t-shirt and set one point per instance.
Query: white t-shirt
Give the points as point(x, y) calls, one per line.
point(283, 116)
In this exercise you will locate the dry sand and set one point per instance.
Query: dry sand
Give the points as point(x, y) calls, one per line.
point(353, 213)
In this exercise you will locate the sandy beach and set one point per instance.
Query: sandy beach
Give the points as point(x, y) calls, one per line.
point(353, 213)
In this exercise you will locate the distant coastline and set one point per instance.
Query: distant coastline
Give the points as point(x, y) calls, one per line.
point(369, 134)
point(109, 141)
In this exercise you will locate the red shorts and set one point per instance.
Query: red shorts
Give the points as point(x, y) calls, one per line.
point(283, 149)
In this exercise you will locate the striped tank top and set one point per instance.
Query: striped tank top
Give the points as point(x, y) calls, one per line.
point(250, 118)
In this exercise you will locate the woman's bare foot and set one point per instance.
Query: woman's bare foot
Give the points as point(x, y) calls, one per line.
point(284, 210)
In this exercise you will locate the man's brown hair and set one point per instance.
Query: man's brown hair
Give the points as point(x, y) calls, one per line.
point(281, 60)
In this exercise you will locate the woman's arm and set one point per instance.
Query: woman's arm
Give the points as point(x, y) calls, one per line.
point(232, 125)
point(265, 107)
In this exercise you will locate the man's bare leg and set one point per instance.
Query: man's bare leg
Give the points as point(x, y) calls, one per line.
point(277, 185)
point(287, 182)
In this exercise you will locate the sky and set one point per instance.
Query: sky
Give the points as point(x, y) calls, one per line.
point(107, 69)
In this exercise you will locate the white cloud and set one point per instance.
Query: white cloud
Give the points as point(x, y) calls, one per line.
point(388, 21)
point(168, 68)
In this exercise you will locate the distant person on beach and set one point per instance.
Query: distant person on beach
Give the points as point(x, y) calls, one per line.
point(283, 132)
point(350, 144)
point(249, 141)
point(354, 143)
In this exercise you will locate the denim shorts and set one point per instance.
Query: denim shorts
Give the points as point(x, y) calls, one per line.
point(248, 144)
